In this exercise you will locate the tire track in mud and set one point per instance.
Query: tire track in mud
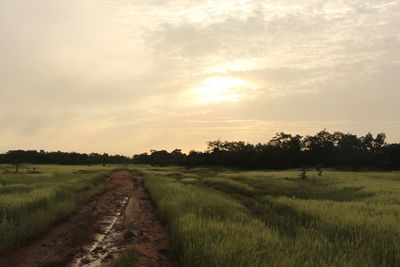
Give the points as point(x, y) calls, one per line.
point(98, 232)
point(152, 243)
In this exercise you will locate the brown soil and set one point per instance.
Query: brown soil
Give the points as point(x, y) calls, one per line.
point(151, 239)
point(97, 233)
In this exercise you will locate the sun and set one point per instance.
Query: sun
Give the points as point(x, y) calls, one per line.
point(216, 90)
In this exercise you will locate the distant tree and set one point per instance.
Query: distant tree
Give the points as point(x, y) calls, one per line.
point(379, 141)
point(367, 142)
point(347, 143)
point(320, 148)
point(215, 146)
point(287, 142)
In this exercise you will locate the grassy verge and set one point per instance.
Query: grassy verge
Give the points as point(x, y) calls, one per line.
point(31, 203)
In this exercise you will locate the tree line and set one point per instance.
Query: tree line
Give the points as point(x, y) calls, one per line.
point(336, 150)
point(283, 151)
point(63, 158)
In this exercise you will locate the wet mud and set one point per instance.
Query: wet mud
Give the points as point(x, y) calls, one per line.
point(100, 231)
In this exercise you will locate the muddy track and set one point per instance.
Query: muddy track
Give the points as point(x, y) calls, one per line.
point(152, 243)
point(98, 232)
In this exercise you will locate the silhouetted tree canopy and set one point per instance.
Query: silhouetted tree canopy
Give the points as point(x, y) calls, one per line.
point(64, 158)
point(337, 150)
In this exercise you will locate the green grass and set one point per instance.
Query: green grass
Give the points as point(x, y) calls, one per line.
point(209, 229)
point(229, 186)
point(31, 203)
point(265, 218)
point(189, 180)
point(127, 259)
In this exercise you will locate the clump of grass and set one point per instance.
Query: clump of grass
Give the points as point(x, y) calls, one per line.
point(229, 186)
point(189, 180)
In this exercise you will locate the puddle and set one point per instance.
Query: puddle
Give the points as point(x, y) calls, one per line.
point(105, 243)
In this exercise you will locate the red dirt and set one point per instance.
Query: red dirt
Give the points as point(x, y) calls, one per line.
point(97, 233)
point(152, 241)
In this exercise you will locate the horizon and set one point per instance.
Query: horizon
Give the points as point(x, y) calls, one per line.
point(130, 76)
point(149, 152)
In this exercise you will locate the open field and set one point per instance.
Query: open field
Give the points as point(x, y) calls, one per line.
point(264, 218)
point(32, 203)
point(215, 217)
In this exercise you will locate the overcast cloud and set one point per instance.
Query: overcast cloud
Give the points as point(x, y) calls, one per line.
point(126, 76)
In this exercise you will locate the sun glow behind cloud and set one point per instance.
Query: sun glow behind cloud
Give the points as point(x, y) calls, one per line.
point(125, 76)
point(237, 65)
point(216, 90)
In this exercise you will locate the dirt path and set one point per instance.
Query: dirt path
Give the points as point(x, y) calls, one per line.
point(151, 239)
point(100, 231)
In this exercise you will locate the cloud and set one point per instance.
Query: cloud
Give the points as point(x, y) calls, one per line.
point(82, 74)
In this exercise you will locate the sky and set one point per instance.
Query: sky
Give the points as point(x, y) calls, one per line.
point(127, 76)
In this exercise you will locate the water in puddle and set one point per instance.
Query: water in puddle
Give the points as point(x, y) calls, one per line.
point(101, 248)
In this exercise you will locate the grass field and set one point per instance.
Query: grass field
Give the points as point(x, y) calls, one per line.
point(31, 203)
point(264, 218)
point(224, 218)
